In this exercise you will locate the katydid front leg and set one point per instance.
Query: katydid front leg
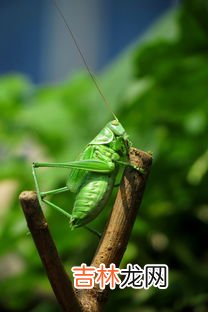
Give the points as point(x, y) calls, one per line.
point(124, 163)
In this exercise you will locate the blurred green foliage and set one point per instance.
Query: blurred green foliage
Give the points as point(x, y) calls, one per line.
point(158, 90)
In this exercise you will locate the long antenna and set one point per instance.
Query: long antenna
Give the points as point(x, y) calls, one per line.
point(83, 58)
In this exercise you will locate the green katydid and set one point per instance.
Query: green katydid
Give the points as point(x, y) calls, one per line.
point(92, 176)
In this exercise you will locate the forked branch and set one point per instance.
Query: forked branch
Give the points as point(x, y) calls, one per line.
point(112, 244)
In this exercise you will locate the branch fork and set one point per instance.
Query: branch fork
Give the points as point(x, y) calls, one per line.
point(111, 247)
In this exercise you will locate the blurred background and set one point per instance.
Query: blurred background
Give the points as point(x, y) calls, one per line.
point(152, 62)
point(35, 41)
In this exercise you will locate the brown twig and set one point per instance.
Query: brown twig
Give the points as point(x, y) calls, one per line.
point(57, 276)
point(116, 235)
point(112, 245)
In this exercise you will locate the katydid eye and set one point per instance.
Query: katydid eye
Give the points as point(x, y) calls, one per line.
point(115, 123)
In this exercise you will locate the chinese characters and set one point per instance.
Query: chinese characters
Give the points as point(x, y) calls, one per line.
point(152, 275)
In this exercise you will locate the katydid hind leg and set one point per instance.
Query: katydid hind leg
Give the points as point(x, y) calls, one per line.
point(93, 231)
point(91, 165)
point(76, 177)
point(53, 192)
point(69, 216)
point(62, 211)
point(43, 194)
point(86, 164)
point(36, 184)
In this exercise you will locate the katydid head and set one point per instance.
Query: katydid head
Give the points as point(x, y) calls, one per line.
point(115, 135)
point(118, 130)
point(121, 142)
point(116, 127)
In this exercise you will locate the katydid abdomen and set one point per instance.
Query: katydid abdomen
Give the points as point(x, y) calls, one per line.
point(92, 189)
point(91, 198)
